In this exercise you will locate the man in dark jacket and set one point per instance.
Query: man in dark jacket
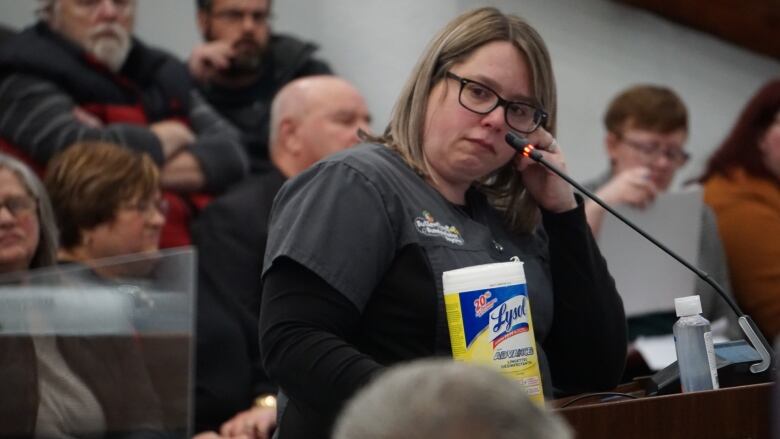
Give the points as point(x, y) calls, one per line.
point(311, 118)
point(5, 33)
point(79, 74)
point(242, 65)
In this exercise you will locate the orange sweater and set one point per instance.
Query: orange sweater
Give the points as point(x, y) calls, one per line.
point(748, 212)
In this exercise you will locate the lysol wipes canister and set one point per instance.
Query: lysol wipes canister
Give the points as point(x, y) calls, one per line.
point(489, 317)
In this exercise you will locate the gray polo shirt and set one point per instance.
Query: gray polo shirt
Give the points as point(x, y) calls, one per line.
point(348, 217)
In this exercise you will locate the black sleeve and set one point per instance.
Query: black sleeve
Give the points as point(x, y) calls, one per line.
point(587, 345)
point(39, 119)
point(217, 146)
point(304, 328)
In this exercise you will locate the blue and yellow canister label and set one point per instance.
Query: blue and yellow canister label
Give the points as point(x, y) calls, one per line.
point(493, 326)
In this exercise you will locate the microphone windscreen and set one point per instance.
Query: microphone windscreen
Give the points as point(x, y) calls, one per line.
point(515, 141)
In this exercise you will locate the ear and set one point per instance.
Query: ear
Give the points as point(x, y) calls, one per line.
point(611, 143)
point(86, 238)
point(203, 20)
point(287, 136)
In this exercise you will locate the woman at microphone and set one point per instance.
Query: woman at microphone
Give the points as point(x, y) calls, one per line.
point(353, 284)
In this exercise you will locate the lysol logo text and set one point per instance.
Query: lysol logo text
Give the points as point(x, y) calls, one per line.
point(508, 319)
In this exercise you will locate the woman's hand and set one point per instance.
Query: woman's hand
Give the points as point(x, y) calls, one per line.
point(550, 191)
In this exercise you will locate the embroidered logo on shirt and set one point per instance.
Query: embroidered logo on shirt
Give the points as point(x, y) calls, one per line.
point(428, 226)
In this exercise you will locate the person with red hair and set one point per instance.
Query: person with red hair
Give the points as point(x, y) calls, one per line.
point(742, 185)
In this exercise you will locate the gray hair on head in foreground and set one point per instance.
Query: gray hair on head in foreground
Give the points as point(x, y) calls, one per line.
point(443, 399)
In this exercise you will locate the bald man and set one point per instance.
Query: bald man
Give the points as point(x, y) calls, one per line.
point(311, 118)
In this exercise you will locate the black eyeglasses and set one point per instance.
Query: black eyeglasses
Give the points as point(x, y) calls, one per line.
point(652, 151)
point(481, 99)
point(18, 206)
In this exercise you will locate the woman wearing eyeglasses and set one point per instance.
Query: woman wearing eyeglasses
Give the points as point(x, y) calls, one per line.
point(106, 200)
point(28, 234)
point(357, 244)
point(28, 240)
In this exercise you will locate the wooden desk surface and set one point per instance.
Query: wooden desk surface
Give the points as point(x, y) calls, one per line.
point(732, 413)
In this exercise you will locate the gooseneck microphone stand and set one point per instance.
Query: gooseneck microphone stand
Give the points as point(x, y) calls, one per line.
point(747, 324)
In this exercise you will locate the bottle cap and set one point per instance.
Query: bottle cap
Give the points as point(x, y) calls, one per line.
point(687, 306)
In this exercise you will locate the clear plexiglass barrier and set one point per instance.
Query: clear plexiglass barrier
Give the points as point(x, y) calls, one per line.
point(99, 349)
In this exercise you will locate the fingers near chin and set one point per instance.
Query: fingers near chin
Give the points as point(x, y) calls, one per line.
point(522, 162)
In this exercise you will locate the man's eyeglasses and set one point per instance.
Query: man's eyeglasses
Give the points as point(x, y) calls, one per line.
point(481, 99)
point(235, 16)
point(18, 206)
point(652, 151)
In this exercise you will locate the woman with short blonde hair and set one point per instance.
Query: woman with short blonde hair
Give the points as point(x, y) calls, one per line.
point(358, 243)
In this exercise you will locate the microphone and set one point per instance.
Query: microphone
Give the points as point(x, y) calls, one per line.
point(746, 323)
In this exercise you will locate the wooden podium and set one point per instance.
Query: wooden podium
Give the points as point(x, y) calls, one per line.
point(732, 413)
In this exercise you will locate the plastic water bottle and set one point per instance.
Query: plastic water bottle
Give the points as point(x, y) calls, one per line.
point(693, 342)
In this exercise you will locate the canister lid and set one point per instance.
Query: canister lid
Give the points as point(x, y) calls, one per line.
point(484, 276)
point(687, 306)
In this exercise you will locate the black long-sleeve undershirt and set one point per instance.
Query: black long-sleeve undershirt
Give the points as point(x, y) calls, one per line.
point(304, 325)
point(588, 309)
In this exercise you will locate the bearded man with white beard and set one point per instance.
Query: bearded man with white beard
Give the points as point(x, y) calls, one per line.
point(79, 74)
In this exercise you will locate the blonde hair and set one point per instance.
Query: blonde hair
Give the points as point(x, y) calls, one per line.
point(453, 44)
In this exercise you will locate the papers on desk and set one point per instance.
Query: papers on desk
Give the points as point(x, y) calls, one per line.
point(647, 278)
